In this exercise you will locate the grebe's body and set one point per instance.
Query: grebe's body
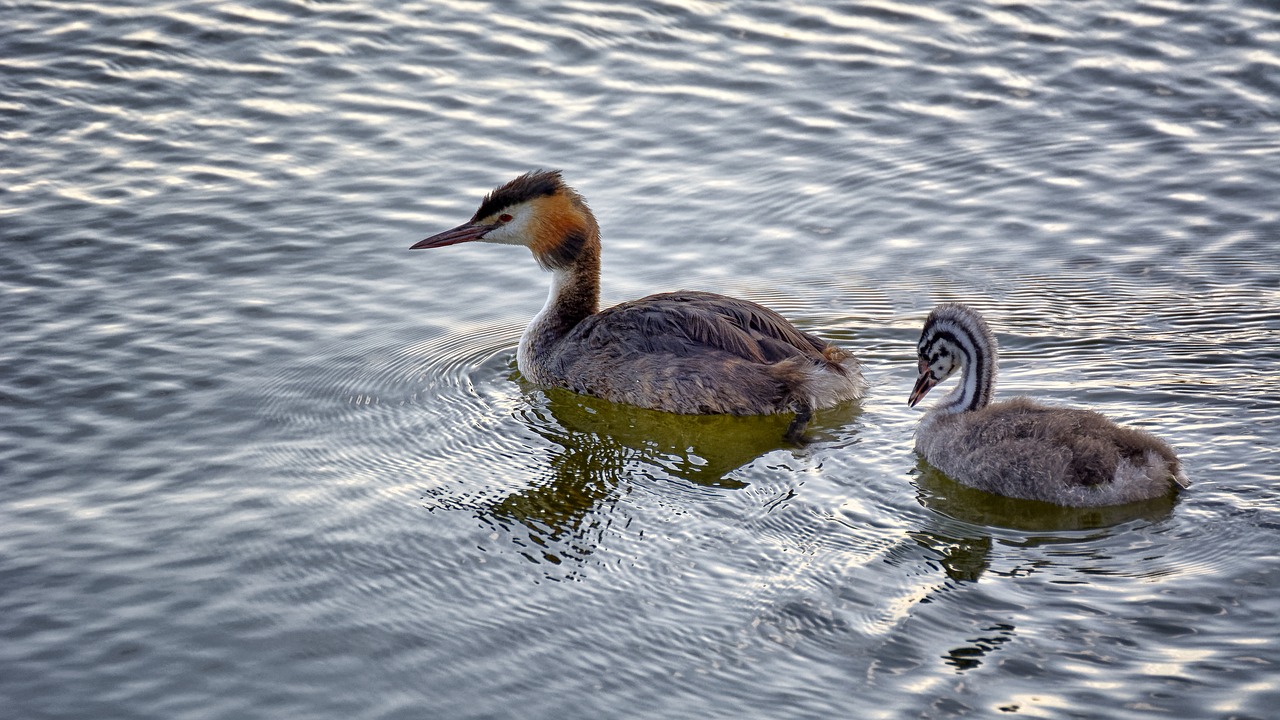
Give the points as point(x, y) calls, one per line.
point(683, 352)
point(1020, 448)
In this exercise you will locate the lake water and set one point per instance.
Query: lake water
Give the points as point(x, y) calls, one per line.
point(259, 460)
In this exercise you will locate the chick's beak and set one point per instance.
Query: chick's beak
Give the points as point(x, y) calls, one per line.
point(924, 384)
point(466, 232)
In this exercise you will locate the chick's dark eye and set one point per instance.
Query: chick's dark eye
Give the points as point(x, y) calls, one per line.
point(504, 217)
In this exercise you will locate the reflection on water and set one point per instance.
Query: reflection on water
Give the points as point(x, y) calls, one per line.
point(970, 534)
point(969, 657)
point(963, 547)
point(941, 494)
point(703, 449)
point(595, 448)
point(963, 558)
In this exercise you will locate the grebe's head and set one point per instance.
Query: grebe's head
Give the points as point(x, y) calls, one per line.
point(955, 335)
point(536, 210)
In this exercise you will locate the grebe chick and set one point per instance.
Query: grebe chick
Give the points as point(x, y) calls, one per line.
point(1020, 448)
point(694, 353)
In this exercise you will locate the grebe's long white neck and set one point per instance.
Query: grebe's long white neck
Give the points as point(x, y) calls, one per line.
point(956, 337)
point(574, 295)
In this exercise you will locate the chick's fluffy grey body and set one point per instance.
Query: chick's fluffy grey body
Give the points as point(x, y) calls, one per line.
point(1066, 456)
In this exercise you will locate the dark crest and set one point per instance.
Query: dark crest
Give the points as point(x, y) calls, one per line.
point(961, 316)
point(525, 187)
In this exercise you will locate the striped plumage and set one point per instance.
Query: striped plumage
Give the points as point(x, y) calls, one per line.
point(683, 352)
point(1021, 448)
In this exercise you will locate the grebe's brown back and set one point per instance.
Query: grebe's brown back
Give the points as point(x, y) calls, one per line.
point(683, 352)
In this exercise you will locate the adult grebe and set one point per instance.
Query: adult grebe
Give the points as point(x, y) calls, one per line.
point(1020, 448)
point(683, 352)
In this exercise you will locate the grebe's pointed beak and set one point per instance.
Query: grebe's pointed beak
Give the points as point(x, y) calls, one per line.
point(466, 232)
point(924, 384)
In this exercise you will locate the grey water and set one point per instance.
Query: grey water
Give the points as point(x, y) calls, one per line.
point(259, 460)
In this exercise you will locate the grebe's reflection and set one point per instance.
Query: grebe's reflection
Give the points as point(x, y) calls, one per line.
point(597, 446)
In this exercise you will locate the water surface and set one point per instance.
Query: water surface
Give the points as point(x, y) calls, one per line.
point(260, 460)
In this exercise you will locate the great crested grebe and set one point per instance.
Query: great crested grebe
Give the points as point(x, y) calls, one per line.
point(1018, 447)
point(693, 353)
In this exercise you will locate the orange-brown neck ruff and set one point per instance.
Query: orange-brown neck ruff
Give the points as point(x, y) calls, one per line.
point(565, 239)
point(563, 232)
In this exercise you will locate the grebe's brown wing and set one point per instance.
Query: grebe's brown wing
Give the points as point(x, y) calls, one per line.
point(685, 323)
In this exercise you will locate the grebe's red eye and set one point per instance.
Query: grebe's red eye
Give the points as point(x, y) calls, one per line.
point(504, 218)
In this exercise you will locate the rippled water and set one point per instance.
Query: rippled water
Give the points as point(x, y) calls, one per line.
point(260, 460)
